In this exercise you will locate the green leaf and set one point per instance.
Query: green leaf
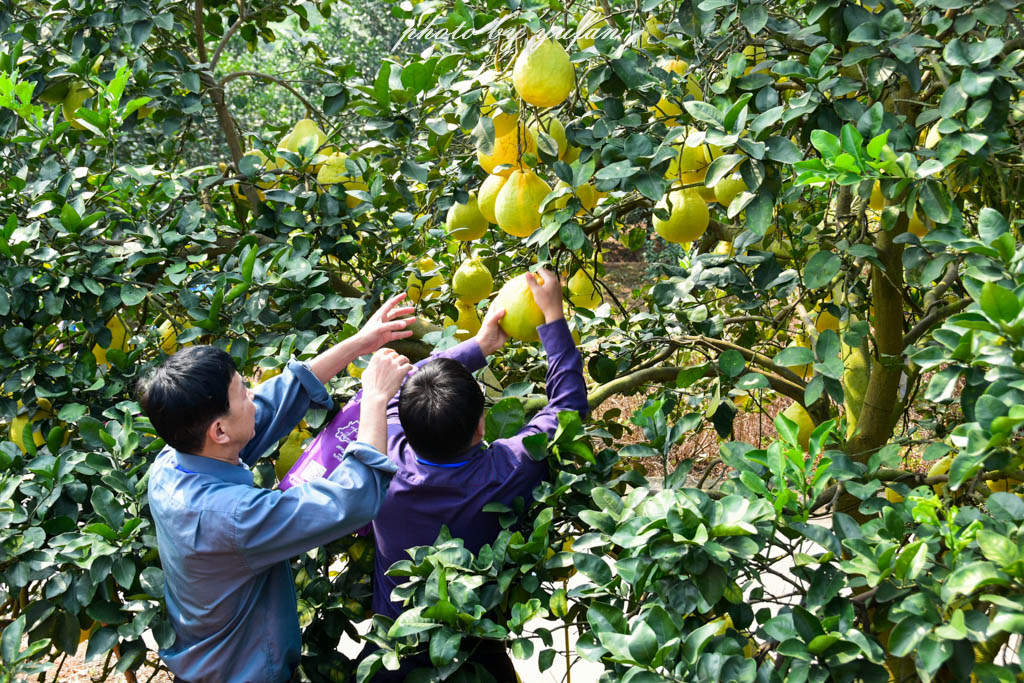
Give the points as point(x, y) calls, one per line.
point(721, 167)
point(991, 225)
point(826, 143)
point(504, 419)
point(794, 356)
point(643, 643)
point(108, 508)
point(152, 581)
point(999, 303)
point(702, 111)
point(752, 381)
point(18, 340)
point(10, 641)
point(593, 567)
point(410, 623)
point(997, 548)
point(821, 269)
point(966, 579)
point(731, 363)
point(907, 634)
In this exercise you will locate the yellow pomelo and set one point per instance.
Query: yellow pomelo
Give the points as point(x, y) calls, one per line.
point(805, 425)
point(18, 424)
point(118, 340)
point(54, 92)
point(522, 314)
point(517, 208)
point(472, 281)
point(488, 194)
point(505, 150)
point(290, 452)
point(503, 122)
point(543, 75)
point(304, 130)
point(826, 321)
point(915, 226)
point(169, 335)
point(420, 290)
point(652, 29)
point(76, 95)
point(572, 153)
point(468, 321)
point(892, 496)
point(264, 164)
point(583, 291)
point(590, 27)
point(856, 373)
point(727, 188)
point(755, 54)
point(464, 222)
point(553, 127)
point(688, 217)
point(333, 171)
point(940, 467)
point(723, 248)
point(586, 193)
point(354, 370)
point(877, 201)
point(667, 109)
point(933, 137)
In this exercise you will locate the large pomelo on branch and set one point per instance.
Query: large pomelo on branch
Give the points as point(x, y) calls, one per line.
point(468, 321)
point(543, 75)
point(465, 222)
point(488, 195)
point(333, 171)
point(522, 314)
point(422, 284)
point(517, 207)
point(304, 130)
point(554, 128)
point(472, 281)
point(805, 425)
point(506, 150)
point(688, 216)
point(583, 290)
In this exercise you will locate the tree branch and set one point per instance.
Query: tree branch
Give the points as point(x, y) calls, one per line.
point(927, 322)
point(310, 109)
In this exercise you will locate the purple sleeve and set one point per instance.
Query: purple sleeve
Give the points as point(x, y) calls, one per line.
point(468, 353)
point(566, 390)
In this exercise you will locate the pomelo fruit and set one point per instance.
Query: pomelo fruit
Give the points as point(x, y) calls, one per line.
point(805, 425)
point(688, 217)
point(468, 321)
point(118, 340)
point(543, 75)
point(554, 128)
point(465, 222)
point(522, 314)
point(727, 188)
point(300, 134)
point(488, 194)
point(505, 150)
point(590, 27)
point(517, 208)
point(472, 281)
point(76, 95)
point(586, 193)
point(420, 290)
point(583, 290)
point(289, 453)
point(877, 200)
point(333, 171)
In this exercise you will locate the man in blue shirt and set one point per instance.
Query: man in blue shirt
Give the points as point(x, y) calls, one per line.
point(224, 544)
point(446, 474)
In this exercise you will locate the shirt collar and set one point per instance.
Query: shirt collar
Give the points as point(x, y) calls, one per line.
point(464, 459)
point(198, 464)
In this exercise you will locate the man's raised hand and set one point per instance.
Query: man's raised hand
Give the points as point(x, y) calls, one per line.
point(383, 376)
point(389, 323)
point(548, 294)
point(491, 337)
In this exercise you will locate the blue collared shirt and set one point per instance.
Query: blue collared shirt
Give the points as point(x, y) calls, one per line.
point(225, 545)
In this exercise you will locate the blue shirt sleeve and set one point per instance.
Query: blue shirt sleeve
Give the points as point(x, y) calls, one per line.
point(272, 525)
point(281, 403)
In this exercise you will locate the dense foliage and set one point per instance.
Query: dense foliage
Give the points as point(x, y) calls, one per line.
point(135, 222)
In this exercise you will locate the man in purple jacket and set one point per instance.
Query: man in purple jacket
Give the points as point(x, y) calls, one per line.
point(446, 474)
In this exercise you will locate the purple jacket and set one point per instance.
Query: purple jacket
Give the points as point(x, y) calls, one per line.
point(422, 496)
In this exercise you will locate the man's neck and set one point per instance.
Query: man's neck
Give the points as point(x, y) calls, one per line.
point(221, 453)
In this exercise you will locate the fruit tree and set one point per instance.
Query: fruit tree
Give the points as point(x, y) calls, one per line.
point(825, 199)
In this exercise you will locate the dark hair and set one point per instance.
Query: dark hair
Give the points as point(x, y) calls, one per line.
point(183, 395)
point(440, 407)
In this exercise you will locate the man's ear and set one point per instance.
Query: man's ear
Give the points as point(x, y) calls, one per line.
point(478, 435)
point(215, 433)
